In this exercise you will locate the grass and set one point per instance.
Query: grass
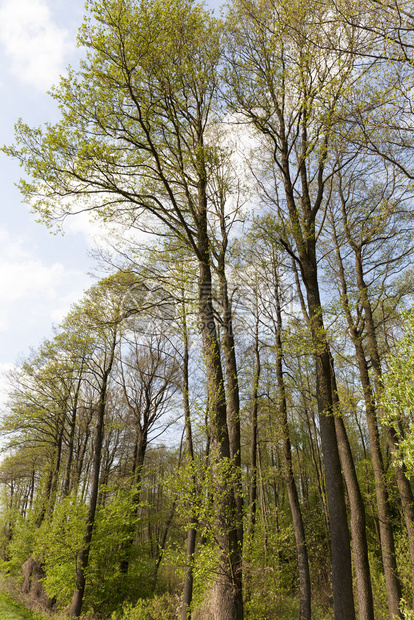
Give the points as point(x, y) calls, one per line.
point(9, 610)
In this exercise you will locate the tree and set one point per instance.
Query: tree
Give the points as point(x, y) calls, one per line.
point(101, 314)
point(148, 380)
point(133, 140)
point(283, 85)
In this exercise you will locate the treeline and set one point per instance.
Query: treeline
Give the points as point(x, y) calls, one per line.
point(221, 428)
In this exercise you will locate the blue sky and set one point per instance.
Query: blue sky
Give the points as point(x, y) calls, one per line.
point(41, 274)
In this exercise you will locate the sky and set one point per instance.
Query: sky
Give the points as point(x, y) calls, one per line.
point(41, 274)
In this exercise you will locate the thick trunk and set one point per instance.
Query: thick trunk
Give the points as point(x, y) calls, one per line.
point(228, 600)
point(189, 565)
point(302, 227)
point(340, 541)
point(358, 521)
point(228, 595)
point(232, 394)
point(358, 526)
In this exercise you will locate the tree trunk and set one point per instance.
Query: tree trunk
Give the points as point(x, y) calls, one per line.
point(253, 444)
point(227, 597)
point(302, 227)
point(232, 392)
point(140, 449)
point(192, 530)
point(340, 542)
point(305, 596)
point(358, 521)
point(77, 599)
point(385, 527)
point(68, 472)
point(390, 566)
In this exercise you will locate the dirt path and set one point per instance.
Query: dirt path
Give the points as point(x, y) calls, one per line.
point(12, 611)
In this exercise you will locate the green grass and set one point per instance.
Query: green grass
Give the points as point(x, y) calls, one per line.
point(9, 610)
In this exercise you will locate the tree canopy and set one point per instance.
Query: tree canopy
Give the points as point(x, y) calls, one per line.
point(224, 422)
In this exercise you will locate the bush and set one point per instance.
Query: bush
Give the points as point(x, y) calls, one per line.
point(164, 607)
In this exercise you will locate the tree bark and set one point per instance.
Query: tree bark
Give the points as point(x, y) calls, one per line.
point(228, 594)
point(72, 428)
point(228, 601)
point(253, 440)
point(358, 521)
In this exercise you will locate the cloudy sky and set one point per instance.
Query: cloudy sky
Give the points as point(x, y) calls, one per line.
point(41, 274)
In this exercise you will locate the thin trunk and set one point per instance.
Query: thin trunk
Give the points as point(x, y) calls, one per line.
point(84, 434)
point(192, 530)
point(56, 468)
point(140, 449)
point(253, 444)
point(305, 595)
point(390, 566)
point(66, 484)
point(316, 459)
point(161, 546)
point(77, 599)
point(263, 511)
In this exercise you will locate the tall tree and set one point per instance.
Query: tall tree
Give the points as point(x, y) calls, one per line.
point(134, 139)
point(289, 91)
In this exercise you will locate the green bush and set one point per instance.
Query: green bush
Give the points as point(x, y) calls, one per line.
point(164, 607)
point(58, 544)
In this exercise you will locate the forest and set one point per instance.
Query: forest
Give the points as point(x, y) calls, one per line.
point(221, 428)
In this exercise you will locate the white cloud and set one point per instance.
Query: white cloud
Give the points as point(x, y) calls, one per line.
point(85, 224)
point(34, 44)
point(31, 291)
point(108, 237)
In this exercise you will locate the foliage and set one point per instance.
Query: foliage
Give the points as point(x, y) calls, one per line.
point(108, 587)
point(143, 141)
point(58, 543)
point(398, 393)
point(158, 608)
